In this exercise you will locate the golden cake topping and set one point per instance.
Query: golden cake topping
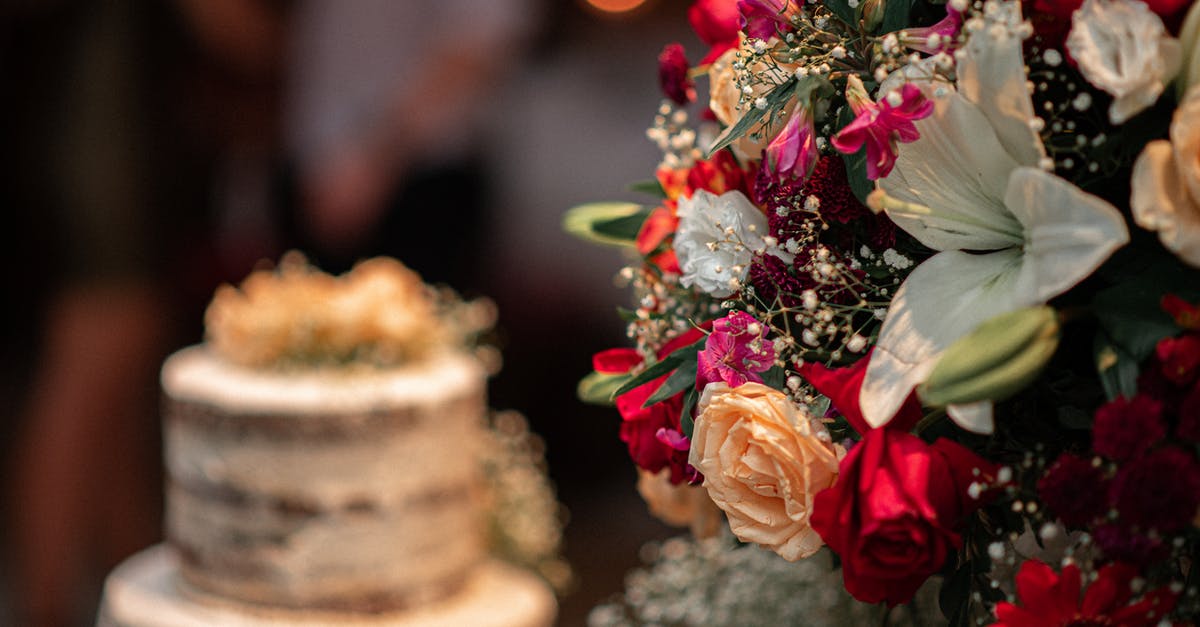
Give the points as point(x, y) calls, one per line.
point(379, 313)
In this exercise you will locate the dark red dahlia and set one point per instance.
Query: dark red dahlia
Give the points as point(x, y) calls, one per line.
point(1051, 19)
point(673, 75)
point(1158, 491)
point(829, 184)
point(1121, 543)
point(773, 278)
point(1189, 415)
point(1075, 489)
point(1126, 428)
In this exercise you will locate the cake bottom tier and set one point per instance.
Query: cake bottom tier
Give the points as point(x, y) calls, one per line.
point(147, 591)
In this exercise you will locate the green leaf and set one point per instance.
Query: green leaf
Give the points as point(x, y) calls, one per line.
point(955, 595)
point(622, 229)
point(663, 366)
point(680, 380)
point(813, 87)
point(753, 116)
point(856, 164)
point(841, 8)
point(895, 15)
point(606, 222)
point(996, 360)
point(1130, 313)
point(1118, 369)
point(652, 187)
point(687, 425)
point(598, 388)
point(775, 377)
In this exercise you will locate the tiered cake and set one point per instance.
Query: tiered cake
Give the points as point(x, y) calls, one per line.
point(322, 466)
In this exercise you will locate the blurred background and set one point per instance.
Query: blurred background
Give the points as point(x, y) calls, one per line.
point(156, 148)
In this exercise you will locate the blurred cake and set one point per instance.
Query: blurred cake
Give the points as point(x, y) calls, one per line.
point(323, 460)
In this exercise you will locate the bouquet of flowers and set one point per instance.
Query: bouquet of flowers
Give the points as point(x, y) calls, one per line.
point(920, 284)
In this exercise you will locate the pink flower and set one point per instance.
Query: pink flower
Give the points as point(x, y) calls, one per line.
point(735, 352)
point(673, 75)
point(881, 125)
point(762, 18)
point(793, 152)
point(939, 37)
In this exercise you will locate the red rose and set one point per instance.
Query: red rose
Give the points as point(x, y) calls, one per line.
point(717, 22)
point(893, 513)
point(652, 434)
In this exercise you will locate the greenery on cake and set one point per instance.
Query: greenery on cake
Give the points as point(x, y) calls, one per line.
point(380, 313)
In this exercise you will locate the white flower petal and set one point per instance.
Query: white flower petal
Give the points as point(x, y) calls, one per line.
point(956, 173)
point(1068, 232)
point(991, 74)
point(974, 417)
point(1122, 47)
point(708, 254)
point(943, 299)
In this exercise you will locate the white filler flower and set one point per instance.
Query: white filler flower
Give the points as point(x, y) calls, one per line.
point(972, 183)
point(717, 239)
point(1122, 47)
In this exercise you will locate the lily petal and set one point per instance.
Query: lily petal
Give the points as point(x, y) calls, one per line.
point(1068, 232)
point(974, 417)
point(950, 183)
point(991, 74)
point(943, 299)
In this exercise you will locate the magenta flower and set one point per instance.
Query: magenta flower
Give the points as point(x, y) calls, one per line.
point(762, 18)
point(793, 152)
point(735, 352)
point(881, 125)
point(940, 37)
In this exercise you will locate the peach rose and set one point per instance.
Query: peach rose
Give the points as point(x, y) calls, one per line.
point(763, 460)
point(727, 103)
point(1166, 183)
point(680, 505)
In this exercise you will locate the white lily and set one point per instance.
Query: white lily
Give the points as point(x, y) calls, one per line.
point(1010, 234)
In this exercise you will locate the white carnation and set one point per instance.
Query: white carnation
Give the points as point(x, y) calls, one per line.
point(1123, 48)
point(716, 240)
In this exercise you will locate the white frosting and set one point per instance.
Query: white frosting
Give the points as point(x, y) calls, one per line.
point(197, 374)
point(144, 592)
point(397, 502)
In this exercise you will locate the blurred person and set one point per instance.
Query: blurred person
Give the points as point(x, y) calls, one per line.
point(382, 122)
point(151, 149)
point(100, 182)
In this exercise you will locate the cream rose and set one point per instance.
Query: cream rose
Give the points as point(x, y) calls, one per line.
point(763, 460)
point(679, 505)
point(726, 101)
point(1166, 183)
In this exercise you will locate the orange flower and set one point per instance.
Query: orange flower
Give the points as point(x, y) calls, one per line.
point(763, 460)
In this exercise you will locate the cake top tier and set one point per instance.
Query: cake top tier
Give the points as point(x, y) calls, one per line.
point(196, 374)
point(380, 313)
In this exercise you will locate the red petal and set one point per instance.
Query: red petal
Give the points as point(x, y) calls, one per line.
point(1037, 585)
point(616, 360)
point(842, 386)
point(1185, 314)
point(660, 224)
